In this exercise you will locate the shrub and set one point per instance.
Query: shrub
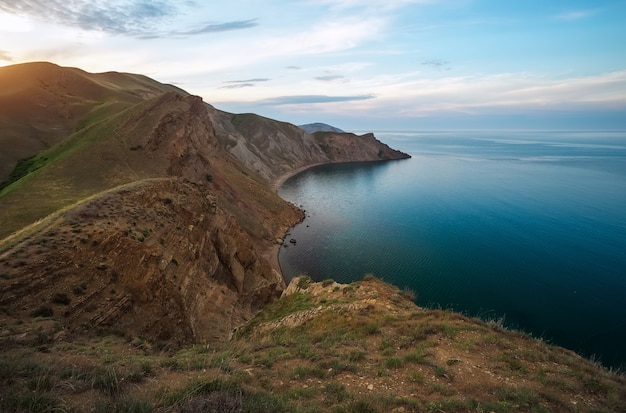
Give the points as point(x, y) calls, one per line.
point(61, 298)
point(356, 355)
point(304, 282)
point(409, 293)
point(43, 311)
point(78, 289)
point(369, 277)
point(393, 362)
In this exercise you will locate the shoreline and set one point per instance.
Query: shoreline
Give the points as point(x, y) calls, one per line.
point(281, 179)
point(274, 250)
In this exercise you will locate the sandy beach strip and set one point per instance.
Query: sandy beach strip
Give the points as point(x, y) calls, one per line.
point(278, 182)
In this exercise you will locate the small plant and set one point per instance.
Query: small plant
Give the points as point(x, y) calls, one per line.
point(327, 282)
point(409, 293)
point(439, 371)
point(304, 281)
point(43, 310)
point(416, 378)
point(369, 277)
point(356, 355)
point(371, 329)
point(393, 363)
point(79, 289)
point(61, 298)
point(107, 381)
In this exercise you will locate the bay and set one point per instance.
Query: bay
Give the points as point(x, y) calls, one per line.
point(529, 226)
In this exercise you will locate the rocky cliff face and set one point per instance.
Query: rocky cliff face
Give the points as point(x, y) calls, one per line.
point(170, 228)
point(348, 147)
point(160, 258)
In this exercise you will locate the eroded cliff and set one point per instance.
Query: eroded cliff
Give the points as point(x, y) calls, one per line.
point(170, 227)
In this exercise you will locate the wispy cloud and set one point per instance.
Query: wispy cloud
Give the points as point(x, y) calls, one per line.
point(5, 56)
point(327, 37)
point(515, 92)
point(312, 99)
point(260, 79)
point(293, 67)
point(221, 27)
point(329, 78)
point(138, 18)
point(378, 4)
point(575, 14)
point(237, 86)
point(438, 64)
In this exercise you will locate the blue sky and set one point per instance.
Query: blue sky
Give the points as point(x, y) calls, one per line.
point(359, 65)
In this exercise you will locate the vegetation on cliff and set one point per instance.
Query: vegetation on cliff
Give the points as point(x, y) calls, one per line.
point(362, 347)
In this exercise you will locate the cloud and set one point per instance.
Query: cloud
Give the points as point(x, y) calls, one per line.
point(438, 64)
point(370, 4)
point(575, 15)
point(326, 37)
point(311, 99)
point(262, 79)
point(4, 55)
point(237, 86)
point(222, 27)
point(508, 92)
point(329, 78)
point(137, 18)
point(293, 67)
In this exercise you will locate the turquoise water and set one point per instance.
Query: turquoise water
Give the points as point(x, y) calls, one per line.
point(527, 226)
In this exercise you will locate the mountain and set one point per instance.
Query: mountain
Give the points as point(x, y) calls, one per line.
point(319, 127)
point(144, 188)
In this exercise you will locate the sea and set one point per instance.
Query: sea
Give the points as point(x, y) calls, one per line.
point(528, 228)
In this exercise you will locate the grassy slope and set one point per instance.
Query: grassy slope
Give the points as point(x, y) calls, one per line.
point(362, 347)
point(57, 178)
point(42, 103)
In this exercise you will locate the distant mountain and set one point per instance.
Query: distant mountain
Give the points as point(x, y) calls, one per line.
point(319, 127)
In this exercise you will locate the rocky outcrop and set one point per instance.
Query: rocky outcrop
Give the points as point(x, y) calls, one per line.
point(348, 147)
point(159, 258)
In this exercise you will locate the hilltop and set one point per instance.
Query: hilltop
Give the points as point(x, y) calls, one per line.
point(362, 347)
point(139, 230)
point(320, 127)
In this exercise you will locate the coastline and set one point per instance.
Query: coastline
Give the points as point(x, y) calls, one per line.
point(274, 250)
point(281, 179)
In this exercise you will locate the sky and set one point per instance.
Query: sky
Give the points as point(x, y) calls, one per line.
point(360, 65)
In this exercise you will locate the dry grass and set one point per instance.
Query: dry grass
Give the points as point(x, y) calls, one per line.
point(361, 352)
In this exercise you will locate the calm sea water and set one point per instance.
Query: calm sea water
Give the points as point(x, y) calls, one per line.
point(527, 226)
